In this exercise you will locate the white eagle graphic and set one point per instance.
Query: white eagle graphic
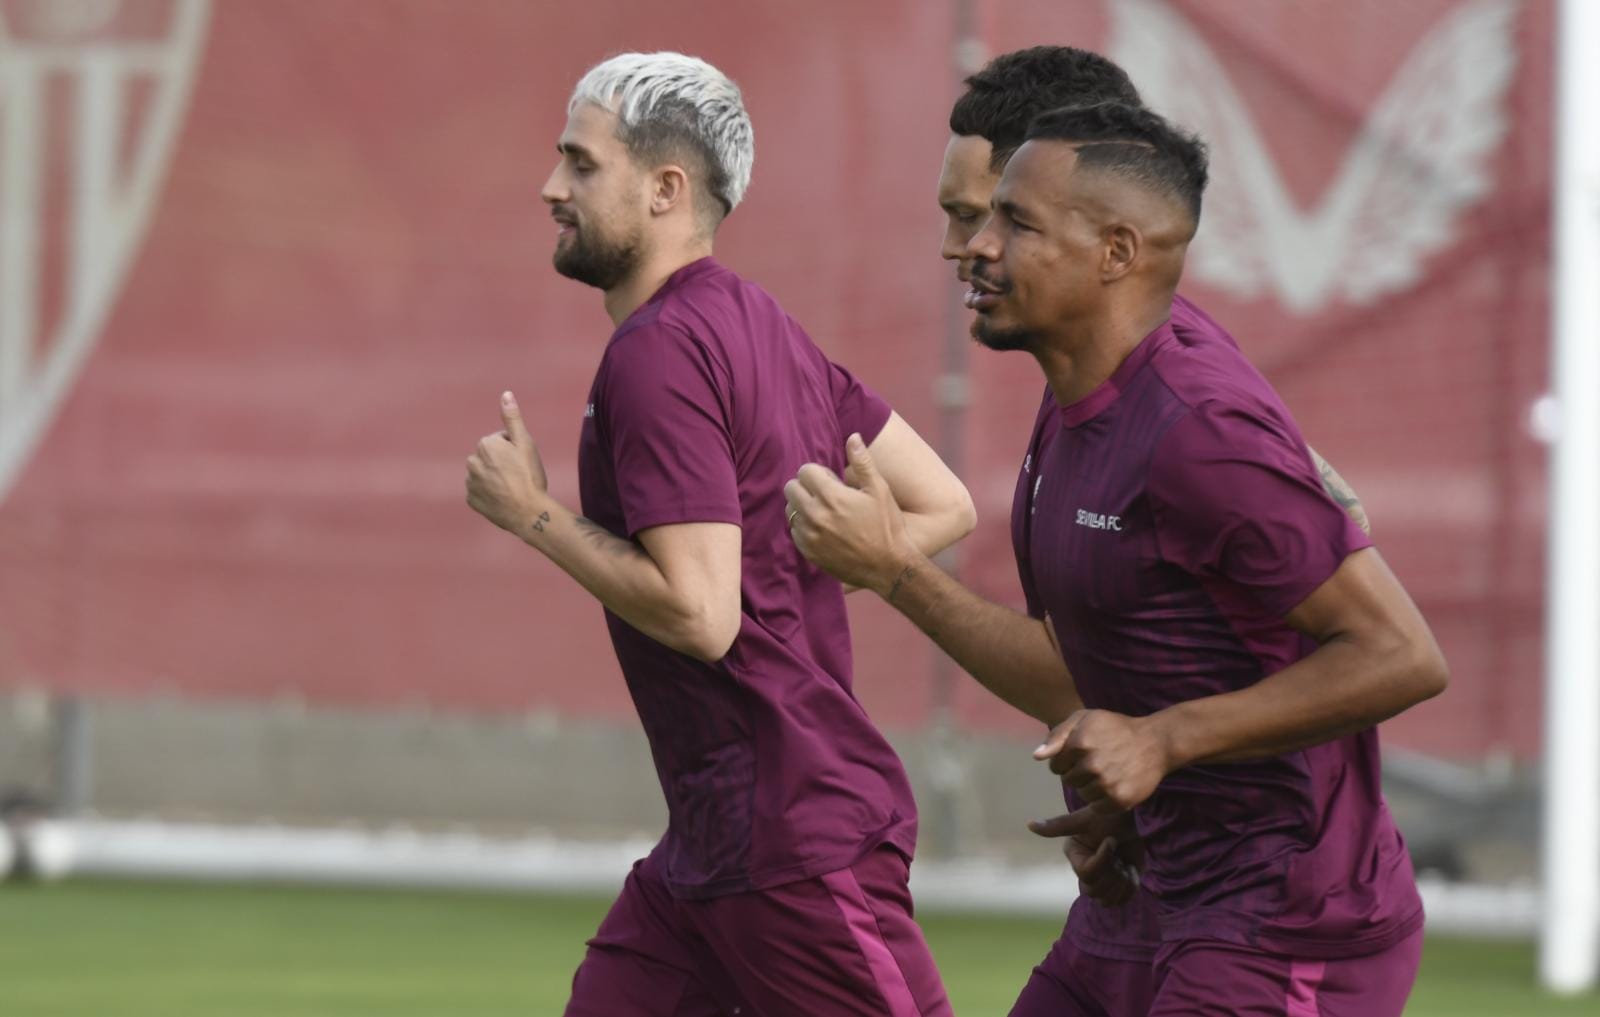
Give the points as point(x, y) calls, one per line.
point(1420, 160)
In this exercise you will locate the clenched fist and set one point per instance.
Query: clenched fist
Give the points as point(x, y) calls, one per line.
point(853, 531)
point(1114, 762)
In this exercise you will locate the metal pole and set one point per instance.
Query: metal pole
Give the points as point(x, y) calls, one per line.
point(74, 757)
point(1570, 937)
point(946, 771)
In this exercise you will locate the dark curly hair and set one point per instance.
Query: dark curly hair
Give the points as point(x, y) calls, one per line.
point(1002, 99)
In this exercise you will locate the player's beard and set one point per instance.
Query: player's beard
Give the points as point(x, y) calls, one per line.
point(597, 260)
point(1002, 339)
point(987, 279)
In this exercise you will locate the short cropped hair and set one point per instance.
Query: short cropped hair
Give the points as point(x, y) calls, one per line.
point(1134, 143)
point(671, 105)
point(1003, 98)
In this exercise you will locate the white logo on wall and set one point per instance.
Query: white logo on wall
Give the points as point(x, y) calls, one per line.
point(114, 101)
point(1420, 160)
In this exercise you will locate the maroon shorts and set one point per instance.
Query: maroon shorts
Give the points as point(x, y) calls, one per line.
point(841, 944)
point(1205, 978)
point(1072, 983)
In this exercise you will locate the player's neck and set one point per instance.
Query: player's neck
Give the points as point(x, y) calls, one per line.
point(1084, 355)
point(627, 296)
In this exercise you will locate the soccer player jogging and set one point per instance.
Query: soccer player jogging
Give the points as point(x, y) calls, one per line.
point(780, 885)
point(1232, 634)
point(1101, 965)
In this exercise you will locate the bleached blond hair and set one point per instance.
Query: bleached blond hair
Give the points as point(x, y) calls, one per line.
point(671, 105)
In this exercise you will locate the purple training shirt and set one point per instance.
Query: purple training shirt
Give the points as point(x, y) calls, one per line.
point(1129, 931)
point(707, 400)
point(1174, 518)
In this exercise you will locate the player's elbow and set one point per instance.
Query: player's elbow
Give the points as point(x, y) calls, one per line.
point(963, 513)
point(1430, 674)
point(956, 514)
point(705, 633)
point(1420, 670)
point(710, 646)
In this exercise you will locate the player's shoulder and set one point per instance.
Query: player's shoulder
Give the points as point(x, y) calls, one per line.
point(1221, 397)
point(1194, 327)
point(651, 346)
point(703, 282)
point(707, 291)
point(722, 309)
point(648, 332)
point(691, 308)
point(1213, 376)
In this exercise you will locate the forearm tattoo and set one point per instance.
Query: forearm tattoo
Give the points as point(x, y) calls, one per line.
point(899, 581)
point(604, 540)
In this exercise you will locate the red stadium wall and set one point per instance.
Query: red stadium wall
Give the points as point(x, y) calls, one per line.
point(252, 487)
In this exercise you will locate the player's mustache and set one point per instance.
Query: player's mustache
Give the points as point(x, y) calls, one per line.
point(987, 279)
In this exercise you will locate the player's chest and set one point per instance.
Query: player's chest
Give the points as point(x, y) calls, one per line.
point(1091, 540)
point(597, 475)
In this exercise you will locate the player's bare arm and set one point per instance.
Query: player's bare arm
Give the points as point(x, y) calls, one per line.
point(679, 584)
point(1375, 658)
point(1341, 492)
point(937, 508)
point(859, 535)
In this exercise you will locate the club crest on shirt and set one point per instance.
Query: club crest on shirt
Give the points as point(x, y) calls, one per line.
point(1099, 520)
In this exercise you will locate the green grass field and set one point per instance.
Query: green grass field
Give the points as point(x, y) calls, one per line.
point(104, 949)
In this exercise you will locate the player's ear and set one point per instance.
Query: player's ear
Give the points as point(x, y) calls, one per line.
point(1122, 242)
point(671, 189)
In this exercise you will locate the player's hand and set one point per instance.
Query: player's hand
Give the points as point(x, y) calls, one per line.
point(1114, 762)
point(1103, 849)
point(855, 532)
point(505, 476)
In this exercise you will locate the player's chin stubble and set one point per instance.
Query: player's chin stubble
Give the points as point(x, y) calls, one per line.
point(597, 262)
point(1004, 340)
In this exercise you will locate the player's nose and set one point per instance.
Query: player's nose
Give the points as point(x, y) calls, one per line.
point(954, 244)
point(955, 249)
point(555, 190)
point(985, 244)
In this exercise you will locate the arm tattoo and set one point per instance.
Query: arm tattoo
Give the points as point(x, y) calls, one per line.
point(899, 581)
point(605, 540)
point(538, 524)
point(1337, 489)
point(1341, 492)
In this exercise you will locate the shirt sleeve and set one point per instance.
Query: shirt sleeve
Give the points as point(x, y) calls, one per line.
point(664, 402)
point(859, 409)
point(1235, 497)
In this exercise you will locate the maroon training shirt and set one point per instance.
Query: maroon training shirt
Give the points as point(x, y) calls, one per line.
point(1130, 931)
point(1173, 518)
point(707, 400)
